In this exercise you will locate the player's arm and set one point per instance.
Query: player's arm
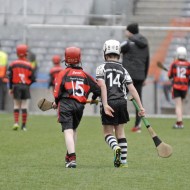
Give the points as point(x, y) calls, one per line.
point(95, 89)
point(108, 110)
point(58, 85)
point(101, 83)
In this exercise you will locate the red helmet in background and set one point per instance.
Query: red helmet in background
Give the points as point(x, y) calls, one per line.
point(72, 55)
point(56, 59)
point(22, 50)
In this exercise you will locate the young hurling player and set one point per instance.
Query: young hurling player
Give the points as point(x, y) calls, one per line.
point(179, 73)
point(113, 80)
point(21, 76)
point(72, 88)
point(54, 71)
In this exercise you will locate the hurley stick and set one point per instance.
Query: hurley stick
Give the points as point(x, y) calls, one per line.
point(45, 105)
point(160, 65)
point(164, 150)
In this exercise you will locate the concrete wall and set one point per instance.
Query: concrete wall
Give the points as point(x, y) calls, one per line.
point(148, 101)
point(112, 7)
point(15, 12)
point(37, 94)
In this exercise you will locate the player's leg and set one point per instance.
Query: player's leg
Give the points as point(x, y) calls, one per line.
point(178, 108)
point(24, 109)
point(123, 117)
point(16, 105)
point(112, 142)
point(67, 156)
point(122, 142)
point(70, 159)
point(69, 140)
point(69, 133)
point(71, 113)
point(16, 109)
point(75, 140)
point(108, 128)
point(178, 98)
point(178, 111)
point(25, 96)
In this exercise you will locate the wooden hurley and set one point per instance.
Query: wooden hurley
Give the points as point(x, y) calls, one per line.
point(164, 150)
point(45, 105)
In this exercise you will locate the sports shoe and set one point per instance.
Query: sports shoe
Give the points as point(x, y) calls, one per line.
point(175, 126)
point(15, 127)
point(24, 128)
point(117, 155)
point(136, 129)
point(71, 164)
point(122, 165)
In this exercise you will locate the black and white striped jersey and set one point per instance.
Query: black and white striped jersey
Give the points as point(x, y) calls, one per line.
point(116, 79)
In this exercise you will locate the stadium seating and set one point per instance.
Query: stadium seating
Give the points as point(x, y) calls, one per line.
point(50, 12)
point(46, 42)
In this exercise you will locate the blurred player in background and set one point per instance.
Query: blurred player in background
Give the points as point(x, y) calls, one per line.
point(135, 51)
point(3, 78)
point(72, 88)
point(114, 80)
point(31, 56)
point(21, 76)
point(54, 71)
point(179, 73)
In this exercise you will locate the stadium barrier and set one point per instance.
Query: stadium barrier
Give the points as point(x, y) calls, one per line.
point(163, 41)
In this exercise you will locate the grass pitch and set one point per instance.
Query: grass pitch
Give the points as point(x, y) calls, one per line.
point(35, 159)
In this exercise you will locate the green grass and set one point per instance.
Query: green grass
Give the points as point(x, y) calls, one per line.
point(35, 159)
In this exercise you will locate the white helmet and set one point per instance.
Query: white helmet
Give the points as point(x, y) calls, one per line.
point(181, 53)
point(111, 46)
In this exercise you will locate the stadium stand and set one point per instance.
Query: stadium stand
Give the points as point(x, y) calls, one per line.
point(52, 12)
point(157, 12)
point(48, 41)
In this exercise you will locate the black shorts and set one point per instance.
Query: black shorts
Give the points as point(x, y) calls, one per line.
point(21, 92)
point(70, 113)
point(179, 93)
point(121, 114)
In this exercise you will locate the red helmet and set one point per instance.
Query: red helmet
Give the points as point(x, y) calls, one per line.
point(22, 50)
point(72, 55)
point(56, 59)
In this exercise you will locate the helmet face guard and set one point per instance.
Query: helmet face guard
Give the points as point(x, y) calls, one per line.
point(56, 59)
point(72, 55)
point(22, 50)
